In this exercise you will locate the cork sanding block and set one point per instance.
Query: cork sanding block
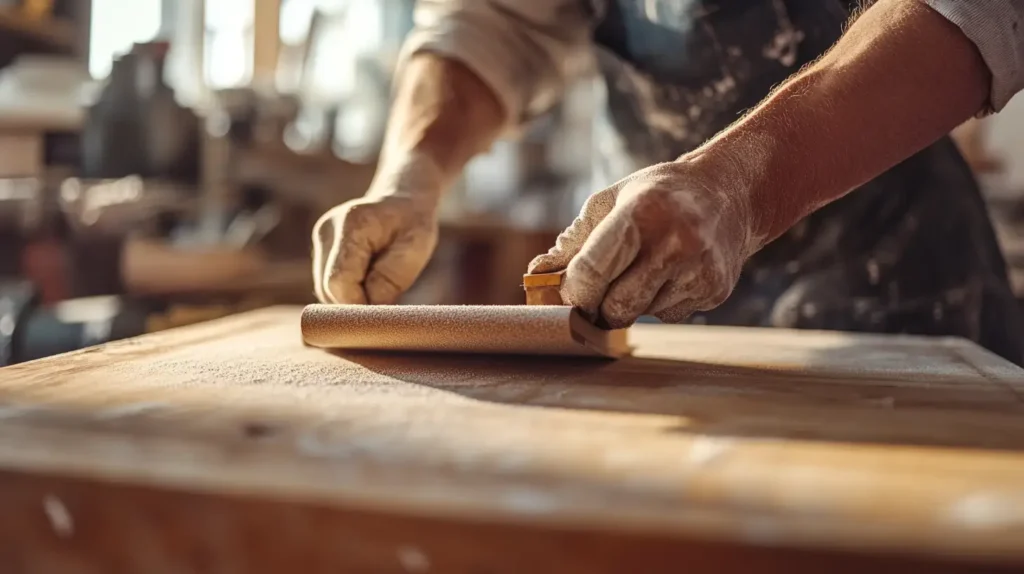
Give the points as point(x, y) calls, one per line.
point(514, 329)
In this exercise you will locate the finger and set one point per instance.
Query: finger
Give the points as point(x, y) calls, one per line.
point(674, 290)
point(700, 286)
point(346, 264)
point(677, 313)
point(321, 237)
point(395, 270)
point(337, 268)
point(632, 293)
point(607, 252)
point(349, 258)
point(570, 241)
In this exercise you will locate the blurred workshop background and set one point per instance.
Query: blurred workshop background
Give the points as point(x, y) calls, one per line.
point(163, 161)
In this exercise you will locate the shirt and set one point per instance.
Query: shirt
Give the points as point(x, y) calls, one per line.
point(995, 27)
point(528, 50)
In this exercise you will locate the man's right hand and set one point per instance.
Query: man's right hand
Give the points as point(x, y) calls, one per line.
point(370, 250)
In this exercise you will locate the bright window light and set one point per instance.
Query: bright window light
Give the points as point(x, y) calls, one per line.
point(228, 42)
point(115, 26)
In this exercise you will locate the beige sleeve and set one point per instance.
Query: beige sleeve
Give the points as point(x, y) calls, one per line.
point(524, 50)
point(997, 28)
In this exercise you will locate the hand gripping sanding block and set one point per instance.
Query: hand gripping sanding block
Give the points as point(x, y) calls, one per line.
point(542, 327)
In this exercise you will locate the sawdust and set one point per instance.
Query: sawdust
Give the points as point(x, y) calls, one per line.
point(666, 241)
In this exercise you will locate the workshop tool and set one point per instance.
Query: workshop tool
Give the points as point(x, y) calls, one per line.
point(542, 327)
point(709, 450)
point(136, 127)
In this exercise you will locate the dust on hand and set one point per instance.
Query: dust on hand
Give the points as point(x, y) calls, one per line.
point(665, 241)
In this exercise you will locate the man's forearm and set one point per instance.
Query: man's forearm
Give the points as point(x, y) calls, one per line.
point(441, 111)
point(900, 78)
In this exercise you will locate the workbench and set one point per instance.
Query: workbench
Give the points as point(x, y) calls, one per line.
point(230, 447)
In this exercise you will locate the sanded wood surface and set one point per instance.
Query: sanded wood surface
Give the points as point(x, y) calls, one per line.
point(229, 447)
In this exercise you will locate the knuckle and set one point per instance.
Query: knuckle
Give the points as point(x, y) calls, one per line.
point(344, 291)
point(676, 314)
point(578, 295)
point(540, 263)
point(381, 289)
point(595, 208)
point(617, 314)
point(399, 268)
point(356, 212)
point(602, 197)
point(337, 218)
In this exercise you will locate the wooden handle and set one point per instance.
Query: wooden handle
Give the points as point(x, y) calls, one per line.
point(543, 288)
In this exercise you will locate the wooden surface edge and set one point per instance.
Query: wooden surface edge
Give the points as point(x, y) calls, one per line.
point(204, 469)
point(988, 364)
point(701, 530)
point(70, 525)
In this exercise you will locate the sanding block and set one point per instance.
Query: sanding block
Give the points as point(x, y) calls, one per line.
point(543, 288)
point(492, 329)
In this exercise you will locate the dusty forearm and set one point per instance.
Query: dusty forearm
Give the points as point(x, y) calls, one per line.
point(899, 79)
point(441, 111)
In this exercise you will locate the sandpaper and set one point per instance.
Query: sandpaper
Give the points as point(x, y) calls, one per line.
point(494, 329)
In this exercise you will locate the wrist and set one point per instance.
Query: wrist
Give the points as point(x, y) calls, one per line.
point(413, 175)
point(738, 179)
point(776, 157)
point(443, 115)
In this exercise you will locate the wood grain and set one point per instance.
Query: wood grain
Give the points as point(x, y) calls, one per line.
point(229, 446)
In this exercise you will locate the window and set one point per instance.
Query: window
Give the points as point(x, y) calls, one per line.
point(229, 40)
point(115, 26)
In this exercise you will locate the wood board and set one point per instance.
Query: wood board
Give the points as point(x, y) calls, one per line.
point(229, 446)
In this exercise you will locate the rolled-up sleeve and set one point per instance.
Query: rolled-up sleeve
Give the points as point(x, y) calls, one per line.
point(526, 51)
point(997, 28)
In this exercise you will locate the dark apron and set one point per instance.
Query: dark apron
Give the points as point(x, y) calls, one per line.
point(912, 251)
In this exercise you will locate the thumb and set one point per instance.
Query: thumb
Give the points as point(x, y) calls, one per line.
point(570, 241)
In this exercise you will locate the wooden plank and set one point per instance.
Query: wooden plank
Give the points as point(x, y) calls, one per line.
point(775, 445)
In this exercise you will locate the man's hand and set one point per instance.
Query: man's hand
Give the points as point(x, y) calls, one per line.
point(665, 241)
point(671, 239)
point(371, 249)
